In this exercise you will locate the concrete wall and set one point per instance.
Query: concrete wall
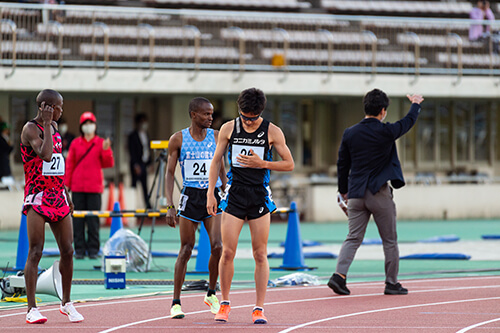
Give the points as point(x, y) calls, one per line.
point(416, 202)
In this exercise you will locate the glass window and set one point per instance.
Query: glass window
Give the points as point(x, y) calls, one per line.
point(462, 131)
point(481, 138)
point(426, 133)
point(444, 132)
point(289, 125)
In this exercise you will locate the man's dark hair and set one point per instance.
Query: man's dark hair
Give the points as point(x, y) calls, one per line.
point(374, 101)
point(48, 96)
point(196, 104)
point(252, 101)
point(139, 118)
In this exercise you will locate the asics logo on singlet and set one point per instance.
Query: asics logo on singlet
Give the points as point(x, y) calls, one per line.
point(260, 134)
point(199, 154)
point(249, 141)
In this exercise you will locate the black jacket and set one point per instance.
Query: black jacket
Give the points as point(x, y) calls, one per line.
point(368, 157)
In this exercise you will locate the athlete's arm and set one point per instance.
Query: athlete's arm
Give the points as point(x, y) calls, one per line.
point(70, 202)
point(30, 135)
point(222, 142)
point(276, 139)
point(174, 146)
point(222, 172)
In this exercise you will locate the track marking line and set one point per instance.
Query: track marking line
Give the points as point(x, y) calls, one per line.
point(308, 300)
point(384, 310)
point(477, 325)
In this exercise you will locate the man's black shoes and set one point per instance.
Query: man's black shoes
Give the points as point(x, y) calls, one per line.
point(337, 284)
point(395, 289)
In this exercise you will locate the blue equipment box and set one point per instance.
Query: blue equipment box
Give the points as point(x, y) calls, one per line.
point(114, 274)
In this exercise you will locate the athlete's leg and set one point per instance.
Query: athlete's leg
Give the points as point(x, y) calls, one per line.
point(259, 231)
point(212, 225)
point(230, 231)
point(63, 233)
point(187, 232)
point(36, 237)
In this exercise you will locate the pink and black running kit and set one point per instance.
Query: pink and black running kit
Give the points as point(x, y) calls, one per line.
point(44, 190)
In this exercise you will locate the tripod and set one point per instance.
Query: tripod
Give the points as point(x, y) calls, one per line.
point(160, 195)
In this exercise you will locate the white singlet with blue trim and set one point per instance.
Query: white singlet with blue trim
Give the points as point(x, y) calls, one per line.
point(195, 159)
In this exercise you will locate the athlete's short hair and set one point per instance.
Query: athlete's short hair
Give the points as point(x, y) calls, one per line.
point(374, 101)
point(48, 96)
point(252, 101)
point(196, 103)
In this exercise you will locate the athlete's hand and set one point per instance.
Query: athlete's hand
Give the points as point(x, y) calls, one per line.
point(211, 204)
point(106, 144)
point(172, 218)
point(47, 112)
point(251, 160)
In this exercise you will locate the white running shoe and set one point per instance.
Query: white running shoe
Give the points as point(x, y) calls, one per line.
point(35, 317)
point(69, 310)
point(213, 303)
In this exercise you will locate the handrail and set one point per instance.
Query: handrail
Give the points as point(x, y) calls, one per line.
point(60, 30)
point(105, 31)
point(197, 44)
point(13, 27)
point(416, 50)
point(241, 48)
point(286, 46)
point(329, 37)
point(374, 41)
point(151, 35)
point(459, 42)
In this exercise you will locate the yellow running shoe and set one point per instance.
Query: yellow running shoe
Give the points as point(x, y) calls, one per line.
point(213, 303)
point(223, 314)
point(176, 312)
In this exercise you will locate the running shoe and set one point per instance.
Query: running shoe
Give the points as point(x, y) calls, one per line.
point(69, 310)
point(223, 314)
point(258, 317)
point(176, 312)
point(213, 303)
point(35, 317)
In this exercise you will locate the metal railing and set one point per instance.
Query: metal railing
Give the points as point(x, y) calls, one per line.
point(193, 40)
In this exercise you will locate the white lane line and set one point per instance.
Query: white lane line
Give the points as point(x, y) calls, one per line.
point(465, 329)
point(295, 301)
point(383, 310)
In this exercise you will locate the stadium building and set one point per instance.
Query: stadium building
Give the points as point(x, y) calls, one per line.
point(314, 60)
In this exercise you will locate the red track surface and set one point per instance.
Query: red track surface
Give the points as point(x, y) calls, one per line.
point(432, 305)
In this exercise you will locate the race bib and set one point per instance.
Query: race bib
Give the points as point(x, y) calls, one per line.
point(55, 167)
point(245, 150)
point(196, 170)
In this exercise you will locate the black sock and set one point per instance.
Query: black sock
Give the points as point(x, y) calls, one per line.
point(257, 308)
point(176, 301)
point(225, 303)
point(210, 292)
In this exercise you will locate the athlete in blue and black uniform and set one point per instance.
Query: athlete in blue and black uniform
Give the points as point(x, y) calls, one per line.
point(250, 140)
point(194, 148)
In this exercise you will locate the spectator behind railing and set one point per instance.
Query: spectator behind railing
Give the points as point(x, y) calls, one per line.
point(478, 32)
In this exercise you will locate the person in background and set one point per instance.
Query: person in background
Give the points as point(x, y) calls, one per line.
point(140, 155)
point(480, 32)
point(194, 148)
point(46, 200)
point(87, 156)
point(66, 136)
point(5, 150)
point(367, 162)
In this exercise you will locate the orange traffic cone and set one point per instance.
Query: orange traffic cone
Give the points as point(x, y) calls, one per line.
point(111, 200)
point(121, 200)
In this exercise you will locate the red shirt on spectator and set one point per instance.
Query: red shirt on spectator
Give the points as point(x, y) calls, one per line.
point(87, 175)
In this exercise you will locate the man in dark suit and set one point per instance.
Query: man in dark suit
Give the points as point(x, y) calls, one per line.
point(367, 161)
point(140, 155)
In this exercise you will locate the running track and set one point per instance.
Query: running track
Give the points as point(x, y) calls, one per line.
point(469, 304)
